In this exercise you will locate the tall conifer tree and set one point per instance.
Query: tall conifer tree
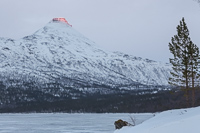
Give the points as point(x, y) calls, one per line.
point(184, 61)
point(193, 52)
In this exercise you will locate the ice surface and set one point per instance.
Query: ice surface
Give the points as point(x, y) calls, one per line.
point(64, 123)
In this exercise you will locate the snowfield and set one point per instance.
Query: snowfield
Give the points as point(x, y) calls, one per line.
point(172, 121)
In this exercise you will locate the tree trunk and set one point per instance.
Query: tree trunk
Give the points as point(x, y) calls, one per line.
point(193, 96)
point(193, 88)
point(187, 86)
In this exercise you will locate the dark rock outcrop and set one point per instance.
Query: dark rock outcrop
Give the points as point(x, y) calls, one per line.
point(120, 123)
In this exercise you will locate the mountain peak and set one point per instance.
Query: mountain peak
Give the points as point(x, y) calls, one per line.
point(58, 50)
point(61, 20)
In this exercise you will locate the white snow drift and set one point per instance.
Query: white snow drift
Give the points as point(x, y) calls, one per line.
point(172, 121)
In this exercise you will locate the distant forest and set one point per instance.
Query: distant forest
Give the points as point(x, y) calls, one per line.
point(74, 101)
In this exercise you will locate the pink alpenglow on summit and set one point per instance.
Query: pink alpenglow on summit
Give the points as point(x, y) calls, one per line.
point(61, 20)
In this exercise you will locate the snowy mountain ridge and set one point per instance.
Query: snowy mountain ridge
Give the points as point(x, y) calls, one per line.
point(58, 53)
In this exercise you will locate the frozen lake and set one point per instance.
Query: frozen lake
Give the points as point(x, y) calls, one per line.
point(64, 122)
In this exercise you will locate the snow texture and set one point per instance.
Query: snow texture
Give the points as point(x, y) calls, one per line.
point(57, 51)
point(172, 121)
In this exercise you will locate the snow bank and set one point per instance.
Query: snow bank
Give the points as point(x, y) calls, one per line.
point(172, 121)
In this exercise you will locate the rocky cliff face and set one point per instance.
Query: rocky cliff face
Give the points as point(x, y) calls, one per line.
point(59, 54)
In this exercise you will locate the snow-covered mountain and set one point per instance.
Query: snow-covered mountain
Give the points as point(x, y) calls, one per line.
point(59, 53)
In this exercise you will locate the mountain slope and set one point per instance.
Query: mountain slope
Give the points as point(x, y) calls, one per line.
point(58, 53)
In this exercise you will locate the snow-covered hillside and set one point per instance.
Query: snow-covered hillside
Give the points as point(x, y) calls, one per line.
point(58, 53)
point(172, 121)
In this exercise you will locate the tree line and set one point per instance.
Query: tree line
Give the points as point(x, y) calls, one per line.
point(17, 99)
point(185, 63)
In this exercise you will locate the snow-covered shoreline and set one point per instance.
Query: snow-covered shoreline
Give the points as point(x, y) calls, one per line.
point(171, 121)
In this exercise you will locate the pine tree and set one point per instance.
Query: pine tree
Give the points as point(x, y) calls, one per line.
point(184, 61)
point(193, 52)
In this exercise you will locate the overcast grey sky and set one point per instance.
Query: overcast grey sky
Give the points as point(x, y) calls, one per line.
point(139, 27)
